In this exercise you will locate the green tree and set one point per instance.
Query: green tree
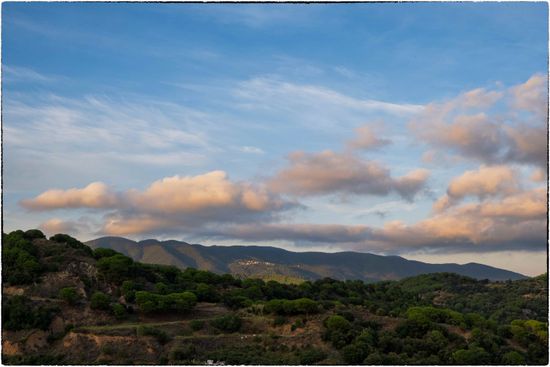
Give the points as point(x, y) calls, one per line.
point(513, 358)
point(337, 323)
point(227, 323)
point(69, 295)
point(116, 268)
point(119, 311)
point(100, 301)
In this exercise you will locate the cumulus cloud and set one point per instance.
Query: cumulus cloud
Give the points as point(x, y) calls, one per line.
point(366, 138)
point(330, 172)
point(169, 203)
point(487, 180)
point(472, 126)
point(56, 225)
point(516, 222)
point(531, 95)
point(95, 195)
point(538, 175)
point(484, 182)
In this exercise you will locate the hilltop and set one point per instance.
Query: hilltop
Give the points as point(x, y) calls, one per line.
point(64, 303)
point(275, 263)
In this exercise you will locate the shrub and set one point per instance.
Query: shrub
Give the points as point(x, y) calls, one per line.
point(151, 302)
point(100, 301)
point(116, 268)
point(128, 290)
point(337, 323)
point(292, 307)
point(158, 334)
point(20, 264)
point(72, 242)
point(310, 356)
point(279, 320)
point(227, 323)
point(32, 234)
point(18, 313)
point(101, 252)
point(69, 295)
point(196, 325)
point(183, 352)
point(119, 311)
point(513, 358)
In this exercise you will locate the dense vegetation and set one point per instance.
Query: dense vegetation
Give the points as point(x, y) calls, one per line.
point(429, 319)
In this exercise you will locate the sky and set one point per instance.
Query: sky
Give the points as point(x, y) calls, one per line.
point(411, 129)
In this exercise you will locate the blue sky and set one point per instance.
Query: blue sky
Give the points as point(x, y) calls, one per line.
point(336, 126)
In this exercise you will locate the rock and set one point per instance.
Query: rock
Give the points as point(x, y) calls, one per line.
point(36, 341)
point(57, 326)
point(11, 348)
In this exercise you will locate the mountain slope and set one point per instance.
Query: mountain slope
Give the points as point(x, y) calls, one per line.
point(263, 261)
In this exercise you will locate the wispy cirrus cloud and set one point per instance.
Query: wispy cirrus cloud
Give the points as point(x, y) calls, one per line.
point(96, 137)
point(22, 74)
point(313, 106)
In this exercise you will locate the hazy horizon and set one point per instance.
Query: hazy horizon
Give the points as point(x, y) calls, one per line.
point(417, 130)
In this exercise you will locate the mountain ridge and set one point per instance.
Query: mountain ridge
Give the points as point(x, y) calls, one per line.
point(265, 261)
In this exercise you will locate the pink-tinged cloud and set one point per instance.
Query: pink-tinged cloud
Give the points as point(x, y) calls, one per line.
point(470, 127)
point(538, 175)
point(212, 190)
point(478, 98)
point(367, 138)
point(516, 222)
point(56, 225)
point(170, 203)
point(95, 195)
point(330, 172)
point(484, 182)
point(532, 95)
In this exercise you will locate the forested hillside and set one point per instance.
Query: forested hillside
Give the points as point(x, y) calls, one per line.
point(275, 263)
point(64, 303)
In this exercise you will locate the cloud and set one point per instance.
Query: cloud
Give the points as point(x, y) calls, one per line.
point(531, 95)
point(251, 150)
point(95, 195)
point(479, 98)
point(330, 172)
point(56, 225)
point(312, 106)
point(310, 233)
point(483, 182)
point(487, 180)
point(473, 126)
point(97, 138)
point(170, 203)
point(366, 138)
point(516, 222)
point(538, 175)
point(22, 74)
point(528, 144)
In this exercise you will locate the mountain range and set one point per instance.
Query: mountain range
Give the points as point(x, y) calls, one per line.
point(278, 264)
